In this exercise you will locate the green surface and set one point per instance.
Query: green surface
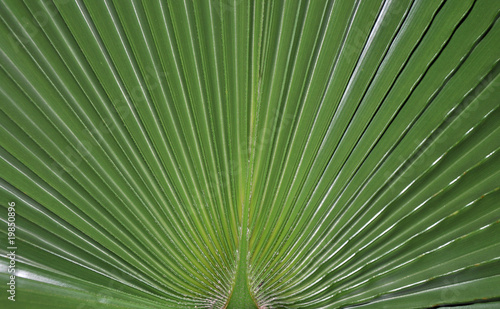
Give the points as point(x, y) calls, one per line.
point(251, 154)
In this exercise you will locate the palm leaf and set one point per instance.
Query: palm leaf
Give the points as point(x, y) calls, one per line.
point(271, 154)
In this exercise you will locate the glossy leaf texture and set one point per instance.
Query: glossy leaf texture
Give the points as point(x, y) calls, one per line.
point(243, 154)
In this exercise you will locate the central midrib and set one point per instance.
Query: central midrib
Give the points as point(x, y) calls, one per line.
point(240, 296)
